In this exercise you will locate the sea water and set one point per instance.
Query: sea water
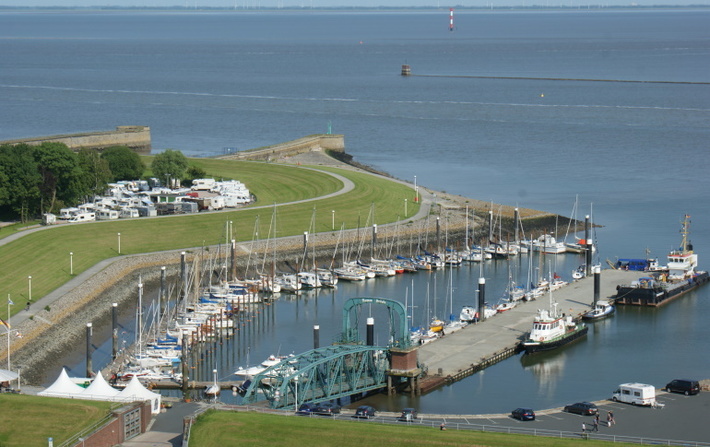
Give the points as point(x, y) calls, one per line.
point(511, 116)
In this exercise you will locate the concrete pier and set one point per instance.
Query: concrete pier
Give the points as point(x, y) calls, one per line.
point(477, 346)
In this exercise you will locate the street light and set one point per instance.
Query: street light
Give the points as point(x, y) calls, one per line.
point(29, 280)
point(119, 243)
point(333, 219)
point(405, 208)
point(71, 263)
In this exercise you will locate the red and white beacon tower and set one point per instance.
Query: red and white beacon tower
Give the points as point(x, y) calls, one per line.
point(451, 19)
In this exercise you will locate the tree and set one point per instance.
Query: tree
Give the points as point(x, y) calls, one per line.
point(60, 175)
point(194, 172)
point(123, 163)
point(96, 171)
point(19, 180)
point(169, 165)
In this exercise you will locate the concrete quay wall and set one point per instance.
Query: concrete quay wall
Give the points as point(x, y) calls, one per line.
point(311, 143)
point(135, 137)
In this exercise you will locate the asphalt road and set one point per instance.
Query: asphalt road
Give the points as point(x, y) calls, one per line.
point(677, 418)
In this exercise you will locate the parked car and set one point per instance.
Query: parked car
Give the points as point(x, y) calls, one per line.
point(327, 408)
point(408, 415)
point(523, 414)
point(583, 408)
point(307, 408)
point(365, 411)
point(684, 386)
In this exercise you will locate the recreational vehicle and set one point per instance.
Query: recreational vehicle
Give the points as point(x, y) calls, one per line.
point(635, 394)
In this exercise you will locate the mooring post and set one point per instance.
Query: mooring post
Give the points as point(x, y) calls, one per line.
point(185, 366)
point(89, 369)
point(114, 326)
point(597, 284)
point(161, 295)
point(233, 260)
point(183, 273)
point(481, 298)
point(588, 246)
point(374, 239)
point(370, 332)
point(316, 337)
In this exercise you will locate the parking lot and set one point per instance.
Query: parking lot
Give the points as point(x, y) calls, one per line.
point(677, 418)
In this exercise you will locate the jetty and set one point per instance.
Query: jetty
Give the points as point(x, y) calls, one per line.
point(477, 346)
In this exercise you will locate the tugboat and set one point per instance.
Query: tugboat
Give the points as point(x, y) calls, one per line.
point(550, 331)
point(661, 287)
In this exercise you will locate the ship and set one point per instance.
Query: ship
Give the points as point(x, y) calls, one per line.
point(680, 277)
point(550, 330)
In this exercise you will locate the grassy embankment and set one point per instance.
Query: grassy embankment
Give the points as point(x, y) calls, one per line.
point(220, 428)
point(27, 421)
point(44, 255)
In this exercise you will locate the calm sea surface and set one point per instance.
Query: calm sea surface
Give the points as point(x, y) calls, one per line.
point(634, 152)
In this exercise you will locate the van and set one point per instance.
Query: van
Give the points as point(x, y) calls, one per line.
point(635, 394)
point(684, 386)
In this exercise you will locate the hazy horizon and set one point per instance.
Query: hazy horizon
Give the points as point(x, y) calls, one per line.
point(255, 4)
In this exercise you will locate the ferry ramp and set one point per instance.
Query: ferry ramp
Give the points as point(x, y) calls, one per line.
point(477, 346)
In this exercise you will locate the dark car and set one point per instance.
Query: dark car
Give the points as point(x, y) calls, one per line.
point(307, 408)
point(408, 414)
point(684, 386)
point(365, 411)
point(327, 408)
point(523, 414)
point(583, 408)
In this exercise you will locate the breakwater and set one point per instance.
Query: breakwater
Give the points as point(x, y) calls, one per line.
point(313, 143)
point(135, 137)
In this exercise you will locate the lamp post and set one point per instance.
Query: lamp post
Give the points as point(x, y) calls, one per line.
point(405, 208)
point(119, 243)
point(416, 190)
point(29, 285)
point(333, 219)
point(71, 263)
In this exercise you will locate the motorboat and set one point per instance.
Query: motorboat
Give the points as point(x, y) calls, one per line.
point(602, 309)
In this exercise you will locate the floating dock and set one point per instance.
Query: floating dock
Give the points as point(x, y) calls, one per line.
point(477, 346)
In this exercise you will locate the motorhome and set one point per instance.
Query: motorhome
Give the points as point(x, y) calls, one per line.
point(635, 394)
point(106, 214)
point(203, 184)
point(83, 217)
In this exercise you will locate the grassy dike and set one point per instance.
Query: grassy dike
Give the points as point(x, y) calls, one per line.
point(221, 428)
point(44, 255)
point(30, 420)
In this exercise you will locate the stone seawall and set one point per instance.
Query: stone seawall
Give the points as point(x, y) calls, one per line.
point(311, 143)
point(135, 137)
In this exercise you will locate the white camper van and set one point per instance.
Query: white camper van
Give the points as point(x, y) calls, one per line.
point(635, 394)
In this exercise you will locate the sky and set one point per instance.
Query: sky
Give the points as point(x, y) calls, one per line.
point(253, 4)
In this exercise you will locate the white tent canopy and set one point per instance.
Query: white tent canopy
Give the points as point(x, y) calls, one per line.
point(136, 391)
point(63, 387)
point(100, 390)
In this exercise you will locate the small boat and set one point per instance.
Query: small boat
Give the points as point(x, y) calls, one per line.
point(469, 314)
point(214, 389)
point(602, 309)
point(437, 325)
point(505, 305)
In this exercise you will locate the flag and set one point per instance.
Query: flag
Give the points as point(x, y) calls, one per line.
point(9, 301)
point(5, 323)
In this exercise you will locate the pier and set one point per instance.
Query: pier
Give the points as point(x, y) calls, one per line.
point(477, 346)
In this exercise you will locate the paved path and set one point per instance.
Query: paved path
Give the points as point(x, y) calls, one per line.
point(460, 350)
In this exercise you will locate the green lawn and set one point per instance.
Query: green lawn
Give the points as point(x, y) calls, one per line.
point(44, 255)
point(27, 421)
point(220, 428)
